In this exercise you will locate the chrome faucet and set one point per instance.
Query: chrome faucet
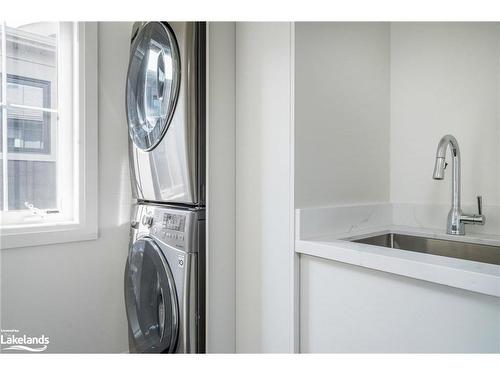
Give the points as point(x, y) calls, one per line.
point(456, 218)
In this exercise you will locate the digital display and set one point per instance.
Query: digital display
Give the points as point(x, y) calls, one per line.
point(174, 222)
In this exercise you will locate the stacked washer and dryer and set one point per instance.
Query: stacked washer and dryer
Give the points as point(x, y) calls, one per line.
point(165, 269)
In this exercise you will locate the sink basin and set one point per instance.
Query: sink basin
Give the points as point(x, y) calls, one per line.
point(453, 249)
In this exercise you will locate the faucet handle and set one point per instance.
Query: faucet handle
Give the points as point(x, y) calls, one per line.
point(480, 204)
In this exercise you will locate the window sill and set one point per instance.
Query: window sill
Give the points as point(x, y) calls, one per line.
point(51, 233)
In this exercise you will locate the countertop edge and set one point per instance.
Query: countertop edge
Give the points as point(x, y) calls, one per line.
point(417, 268)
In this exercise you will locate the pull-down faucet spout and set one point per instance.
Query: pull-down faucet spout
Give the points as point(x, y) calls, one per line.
point(456, 219)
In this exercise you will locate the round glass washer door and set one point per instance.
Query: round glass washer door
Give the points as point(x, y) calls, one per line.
point(153, 82)
point(151, 299)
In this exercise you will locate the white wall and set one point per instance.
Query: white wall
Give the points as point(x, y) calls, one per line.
point(263, 182)
point(373, 100)
point(341, 113)
point(73, 292)
point(364, 310)
point(221, 294)
point(445, 79)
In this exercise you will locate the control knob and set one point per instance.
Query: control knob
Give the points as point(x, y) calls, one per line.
point(147, 220)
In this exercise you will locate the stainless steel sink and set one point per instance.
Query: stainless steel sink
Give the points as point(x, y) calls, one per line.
point(452, 249)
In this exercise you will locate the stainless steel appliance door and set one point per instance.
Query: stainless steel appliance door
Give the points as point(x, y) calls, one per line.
point(172, 170)
point(153, 81)
point(151, 300)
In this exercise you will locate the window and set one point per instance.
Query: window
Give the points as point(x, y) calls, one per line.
point(28, 132)
point(48, 130)
point(32, 179)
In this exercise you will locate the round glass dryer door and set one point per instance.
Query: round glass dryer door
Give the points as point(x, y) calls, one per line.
point(150, 298)
point(152, 84)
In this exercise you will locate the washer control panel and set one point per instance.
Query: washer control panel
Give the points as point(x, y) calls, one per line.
point(174, 222)
point(170, 227)
point(173, 226)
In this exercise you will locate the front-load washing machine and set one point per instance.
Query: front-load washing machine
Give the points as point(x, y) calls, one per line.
point(164, 291)
point(165, 106)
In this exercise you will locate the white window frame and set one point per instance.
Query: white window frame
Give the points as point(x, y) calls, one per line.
point(83, 224)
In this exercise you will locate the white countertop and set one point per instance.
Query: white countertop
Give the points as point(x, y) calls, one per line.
point(469, 275)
